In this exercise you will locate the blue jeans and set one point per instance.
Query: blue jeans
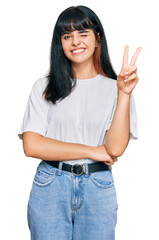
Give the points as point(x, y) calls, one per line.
point(63, 206)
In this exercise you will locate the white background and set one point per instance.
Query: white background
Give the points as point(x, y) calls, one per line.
point(26, 32)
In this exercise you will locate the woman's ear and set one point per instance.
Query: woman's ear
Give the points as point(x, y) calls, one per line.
point(98, 36)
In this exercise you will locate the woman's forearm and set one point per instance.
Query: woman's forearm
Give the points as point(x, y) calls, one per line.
point(117, 136)
point(45, 148)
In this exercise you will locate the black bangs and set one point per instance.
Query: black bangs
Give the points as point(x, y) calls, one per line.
point(74, 20)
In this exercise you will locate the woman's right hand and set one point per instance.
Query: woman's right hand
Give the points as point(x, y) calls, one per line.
point(100, 154)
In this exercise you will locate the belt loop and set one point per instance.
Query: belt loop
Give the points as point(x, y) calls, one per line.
point(86, 169)
point(59, 170)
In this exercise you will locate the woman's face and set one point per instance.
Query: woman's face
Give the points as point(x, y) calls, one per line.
point(79, 46)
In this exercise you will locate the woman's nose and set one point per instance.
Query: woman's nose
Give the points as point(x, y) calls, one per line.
point(75, 41)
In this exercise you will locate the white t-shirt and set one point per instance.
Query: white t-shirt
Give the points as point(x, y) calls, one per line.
point(82, 117)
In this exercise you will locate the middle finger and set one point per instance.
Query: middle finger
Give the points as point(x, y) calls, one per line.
point(135, 56)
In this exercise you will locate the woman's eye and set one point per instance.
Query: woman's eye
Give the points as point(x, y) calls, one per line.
point(84, 35)
point(66, 37)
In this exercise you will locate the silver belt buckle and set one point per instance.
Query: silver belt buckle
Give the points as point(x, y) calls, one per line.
point(82, 169)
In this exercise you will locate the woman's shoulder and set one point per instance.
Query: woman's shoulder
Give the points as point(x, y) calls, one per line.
point(108, 83)
point(43, 81)
point(40, 84)
point(109, 80)
point(37, 90)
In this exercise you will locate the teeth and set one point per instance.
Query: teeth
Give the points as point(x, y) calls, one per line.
point(79, 50)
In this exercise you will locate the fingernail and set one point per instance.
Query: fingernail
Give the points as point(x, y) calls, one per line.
point(125, 80)
point(126, 73)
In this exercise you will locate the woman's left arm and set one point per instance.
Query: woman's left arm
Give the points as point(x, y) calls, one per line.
point(118, 135)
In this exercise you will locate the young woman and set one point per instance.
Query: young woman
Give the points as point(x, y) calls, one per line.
point(78, 121)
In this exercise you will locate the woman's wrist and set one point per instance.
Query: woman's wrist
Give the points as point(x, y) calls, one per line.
point(89, 151)
point(123, 95)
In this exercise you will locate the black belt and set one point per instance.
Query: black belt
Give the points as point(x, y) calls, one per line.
point(78, 169)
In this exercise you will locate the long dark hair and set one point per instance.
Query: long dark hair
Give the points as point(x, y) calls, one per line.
point(61, 79)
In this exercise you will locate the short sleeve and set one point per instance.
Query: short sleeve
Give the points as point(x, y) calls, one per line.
point(133, 118)
point(36, 111)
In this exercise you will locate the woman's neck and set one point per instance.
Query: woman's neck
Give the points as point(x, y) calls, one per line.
point(84, 71)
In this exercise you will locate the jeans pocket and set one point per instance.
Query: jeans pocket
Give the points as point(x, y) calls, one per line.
point(44, 176)
point(102, 179)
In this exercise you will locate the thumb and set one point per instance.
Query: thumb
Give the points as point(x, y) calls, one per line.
point(115, 159)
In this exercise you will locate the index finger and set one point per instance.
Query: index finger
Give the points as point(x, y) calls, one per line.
point(135, 56)
point(125, 56)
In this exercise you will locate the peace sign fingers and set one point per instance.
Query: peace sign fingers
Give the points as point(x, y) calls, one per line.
point(127, 78)
point(135, 56)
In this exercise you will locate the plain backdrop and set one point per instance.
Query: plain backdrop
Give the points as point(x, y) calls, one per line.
point(26, 29)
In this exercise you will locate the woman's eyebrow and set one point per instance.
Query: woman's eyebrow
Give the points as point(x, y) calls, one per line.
point(66, 32)
point(83, 31)
point(80, 31)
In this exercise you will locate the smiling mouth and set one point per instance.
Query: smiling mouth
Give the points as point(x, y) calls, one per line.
point(79, 51)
